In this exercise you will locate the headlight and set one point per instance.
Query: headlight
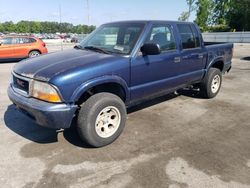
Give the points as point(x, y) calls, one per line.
point(44, 91)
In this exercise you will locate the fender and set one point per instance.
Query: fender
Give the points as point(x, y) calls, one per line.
point(98, 81)
point(211, 63)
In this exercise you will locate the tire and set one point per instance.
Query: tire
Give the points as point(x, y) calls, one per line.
point(101, 119)
point(210, 87)
point(34, 53)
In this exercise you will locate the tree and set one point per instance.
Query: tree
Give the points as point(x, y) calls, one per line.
point(203, 14)
point(44, 27)
point(1, 27)
point(221, 9)
point(223, 15)
point(35, 27)
point(22, 27)
point(9, 27)
point(186, 14)
point(238, 15)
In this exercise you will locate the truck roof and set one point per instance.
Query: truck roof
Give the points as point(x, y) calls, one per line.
point(148, 21)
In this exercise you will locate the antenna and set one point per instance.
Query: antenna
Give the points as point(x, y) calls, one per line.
point(60, 24)
point(88, 11)
point(60, 13)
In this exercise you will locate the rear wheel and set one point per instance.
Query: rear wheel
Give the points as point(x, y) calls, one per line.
point(34, 53)
point(101, 119)
point(210, 87)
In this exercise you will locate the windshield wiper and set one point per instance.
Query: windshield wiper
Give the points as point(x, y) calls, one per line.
point(78, 47)
point(96, 49)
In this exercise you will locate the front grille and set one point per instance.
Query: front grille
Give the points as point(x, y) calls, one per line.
point(21, 83)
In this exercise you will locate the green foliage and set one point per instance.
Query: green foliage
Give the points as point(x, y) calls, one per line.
point(238, 15)
point(1, 27)
point(221, 9)
point(44, 27)
point(186, 14)
point(203, 14)
point(223, 15)
point(8, 27)
point(218, 28)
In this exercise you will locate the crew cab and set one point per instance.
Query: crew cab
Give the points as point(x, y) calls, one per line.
point(117, 66)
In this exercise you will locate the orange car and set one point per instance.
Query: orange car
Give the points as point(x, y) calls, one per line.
point(19, 47)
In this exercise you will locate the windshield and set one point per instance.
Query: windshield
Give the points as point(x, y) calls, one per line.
point(116, 38)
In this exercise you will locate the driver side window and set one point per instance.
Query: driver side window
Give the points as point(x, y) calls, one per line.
point(163, 36)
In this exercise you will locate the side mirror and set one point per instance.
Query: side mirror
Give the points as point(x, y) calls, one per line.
point(150, 49)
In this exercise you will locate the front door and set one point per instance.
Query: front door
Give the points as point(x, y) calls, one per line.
point(20, 47)
point(153, 74)
point(6, 48)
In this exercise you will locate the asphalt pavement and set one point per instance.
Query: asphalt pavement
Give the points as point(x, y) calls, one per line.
point(175, 141)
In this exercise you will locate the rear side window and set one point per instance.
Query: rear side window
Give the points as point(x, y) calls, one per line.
point(32, 40)
point(162, 35)
point(187, 36)
point(23, 40)
point(197, 37)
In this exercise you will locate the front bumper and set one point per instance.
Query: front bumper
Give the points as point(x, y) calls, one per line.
point(57, 116)
point(44, 50)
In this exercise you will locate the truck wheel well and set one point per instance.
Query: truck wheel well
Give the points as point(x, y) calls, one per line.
point(35, 50)
point(219, 65)
point(113, 88)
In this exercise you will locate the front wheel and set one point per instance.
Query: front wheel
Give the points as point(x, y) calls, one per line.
point(210, 87)
point(101, 119)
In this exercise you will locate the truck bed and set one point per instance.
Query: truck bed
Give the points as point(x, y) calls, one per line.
point(214, 43)
point(220, 50)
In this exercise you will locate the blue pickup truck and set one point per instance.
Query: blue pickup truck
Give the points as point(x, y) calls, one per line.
point(119, 65)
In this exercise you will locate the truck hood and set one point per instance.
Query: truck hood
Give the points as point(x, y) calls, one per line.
point(45, 67)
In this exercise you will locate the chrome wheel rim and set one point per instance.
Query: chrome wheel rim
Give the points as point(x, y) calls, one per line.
point(107, 122)
point(215, 84)
point(34, 54)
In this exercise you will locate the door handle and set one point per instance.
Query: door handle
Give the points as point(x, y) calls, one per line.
point(187, 56)
point(200, 56)
point(177, 59)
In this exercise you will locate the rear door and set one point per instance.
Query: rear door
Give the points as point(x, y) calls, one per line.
point(6, 48)
point(192, 53)
point(153, 74)
point(22, 46)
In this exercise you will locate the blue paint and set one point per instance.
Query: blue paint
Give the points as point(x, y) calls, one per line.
point(75, 71)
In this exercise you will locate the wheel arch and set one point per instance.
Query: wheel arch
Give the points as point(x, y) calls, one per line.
point(34, 50)
point(112, 84)
point(217, 63)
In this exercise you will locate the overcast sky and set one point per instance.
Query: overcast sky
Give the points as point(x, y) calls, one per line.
point(100, 11)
